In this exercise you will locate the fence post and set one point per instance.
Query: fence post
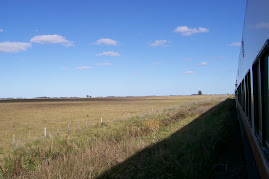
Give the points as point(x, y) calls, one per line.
point(101, 120)
point(68, 129)
point(45, 132)
point(29, 136)
point(13, 139)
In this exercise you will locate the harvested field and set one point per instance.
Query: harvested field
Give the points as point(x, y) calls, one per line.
point(18, 117)
point(89, 151)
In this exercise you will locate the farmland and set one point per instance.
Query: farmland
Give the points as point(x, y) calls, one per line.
point(20, 117)
point(130, 124)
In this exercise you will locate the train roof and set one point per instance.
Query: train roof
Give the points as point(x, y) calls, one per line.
point(255, 35)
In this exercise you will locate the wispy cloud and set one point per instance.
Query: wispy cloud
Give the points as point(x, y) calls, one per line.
point(188, 58)
point(84, 68)
point(103, 64)
point(1, 30)
point(13, 47)
point(106, 42)
point(235, 44)
point(136, 73)
point(216, 57)
point(156, 43)
point(187, 31)
point(156, 63)
point(262, 25)
point(51, 39)
point(203, 64)
point(189, 72)
point(109, 53)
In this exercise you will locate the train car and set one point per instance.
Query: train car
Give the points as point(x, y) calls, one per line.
point(251, 92)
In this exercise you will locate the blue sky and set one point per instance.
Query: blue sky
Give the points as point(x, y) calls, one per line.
point(119, 47)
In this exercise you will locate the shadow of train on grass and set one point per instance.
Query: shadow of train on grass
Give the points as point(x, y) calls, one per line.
point(208, 147)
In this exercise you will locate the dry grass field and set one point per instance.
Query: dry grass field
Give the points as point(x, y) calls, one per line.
point(19, 118)
point(130, 124)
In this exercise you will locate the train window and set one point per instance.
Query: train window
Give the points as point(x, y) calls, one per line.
point(248, 96)
point(257, 99)
point(267, 100)
point(239, 93)
point(265, 107)
point(243, 96)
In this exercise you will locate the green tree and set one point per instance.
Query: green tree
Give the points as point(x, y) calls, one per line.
point(200, 92)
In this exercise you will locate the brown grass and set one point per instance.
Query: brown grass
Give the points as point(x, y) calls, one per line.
point(88, 152)
point(19, 118)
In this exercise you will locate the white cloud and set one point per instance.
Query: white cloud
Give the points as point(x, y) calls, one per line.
point(13, 47)
point(1, 30)
point(106, 42)
point(186, 31)
point(189, 72)
point(109, 53)
point(262, 25)
point(188, 58)
point(159, 43)
point(156, 63)
point(84, 68)
point(103, 64)
point(51, 39)
point(235, 44)
point(68, 44)
point(216, 57)
point(203, 64)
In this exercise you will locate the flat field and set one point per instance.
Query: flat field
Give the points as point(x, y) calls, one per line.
point(18, 117)
point(130, 124)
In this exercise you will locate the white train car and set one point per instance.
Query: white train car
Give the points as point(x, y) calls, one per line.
point(252, 88)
